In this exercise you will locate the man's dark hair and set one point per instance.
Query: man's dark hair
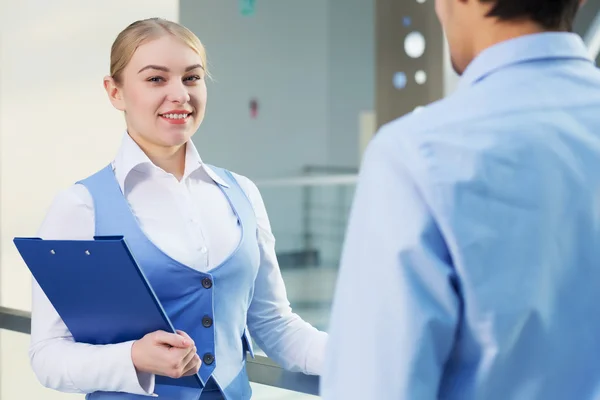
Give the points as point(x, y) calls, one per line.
point(550, 14)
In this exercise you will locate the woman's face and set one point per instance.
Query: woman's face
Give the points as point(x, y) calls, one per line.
point(162, 92)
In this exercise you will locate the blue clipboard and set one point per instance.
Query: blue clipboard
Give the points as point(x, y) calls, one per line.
point(99, 291)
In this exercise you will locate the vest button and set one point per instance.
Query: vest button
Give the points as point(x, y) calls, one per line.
point(206, 283)
point(207, 321)
point(208, 359)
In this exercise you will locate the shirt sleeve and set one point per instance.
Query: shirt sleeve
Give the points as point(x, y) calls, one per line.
point(395, 308)
point(56, 359)
point(283, 335)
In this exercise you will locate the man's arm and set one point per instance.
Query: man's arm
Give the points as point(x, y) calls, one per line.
point(395, 309)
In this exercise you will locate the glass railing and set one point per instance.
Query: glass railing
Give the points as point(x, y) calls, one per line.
point(308, 218)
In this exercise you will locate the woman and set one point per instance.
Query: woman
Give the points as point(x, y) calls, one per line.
point(200, 233)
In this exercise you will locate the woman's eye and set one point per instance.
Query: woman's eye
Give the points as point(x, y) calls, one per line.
point(155, 79)
point(192, 78)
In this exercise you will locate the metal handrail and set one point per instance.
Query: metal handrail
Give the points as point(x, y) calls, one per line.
point(261, 370)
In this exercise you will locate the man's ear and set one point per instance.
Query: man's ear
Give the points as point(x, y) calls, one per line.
point(114, 93)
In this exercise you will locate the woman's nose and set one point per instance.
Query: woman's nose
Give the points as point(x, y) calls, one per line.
point(178, 93)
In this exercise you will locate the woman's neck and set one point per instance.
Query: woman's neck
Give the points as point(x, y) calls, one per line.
point(169, 159)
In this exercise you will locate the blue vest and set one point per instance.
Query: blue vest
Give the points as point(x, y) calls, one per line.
point(211, 307)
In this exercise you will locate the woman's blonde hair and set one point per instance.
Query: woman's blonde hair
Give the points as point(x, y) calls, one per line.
point(144, 30)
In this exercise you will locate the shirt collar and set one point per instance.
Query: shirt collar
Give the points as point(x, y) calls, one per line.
point(539, 46)
point(131, 156)
point(193, 162)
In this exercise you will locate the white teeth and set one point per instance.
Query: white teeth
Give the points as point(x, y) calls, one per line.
point(175, 116)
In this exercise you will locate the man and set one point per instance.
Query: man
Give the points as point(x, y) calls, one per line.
point(471, 267)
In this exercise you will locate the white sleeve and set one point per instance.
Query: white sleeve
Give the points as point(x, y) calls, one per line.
point(283, 335)
point(56, 359)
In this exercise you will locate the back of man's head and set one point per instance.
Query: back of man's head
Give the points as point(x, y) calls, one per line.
point(471, 26)
point(548, 14)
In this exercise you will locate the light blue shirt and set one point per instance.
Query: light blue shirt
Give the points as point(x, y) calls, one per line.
point(471, 267)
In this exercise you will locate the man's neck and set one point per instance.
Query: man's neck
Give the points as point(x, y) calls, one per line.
point(500, 31)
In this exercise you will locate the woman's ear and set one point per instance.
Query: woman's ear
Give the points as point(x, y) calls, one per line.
point(114, 93)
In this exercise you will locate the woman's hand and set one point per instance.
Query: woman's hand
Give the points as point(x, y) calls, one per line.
point(194, 365)
point(166, 354)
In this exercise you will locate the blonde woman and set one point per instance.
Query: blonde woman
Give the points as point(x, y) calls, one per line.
point(200, 233)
